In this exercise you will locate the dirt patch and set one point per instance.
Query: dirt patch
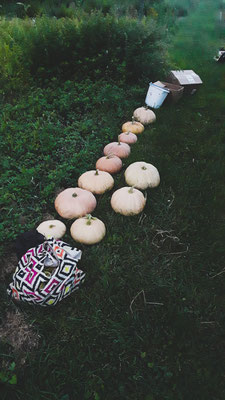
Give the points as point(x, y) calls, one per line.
point(16, 332)
point(8, 265)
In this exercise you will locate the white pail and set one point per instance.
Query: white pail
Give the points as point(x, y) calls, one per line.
point(155, 95)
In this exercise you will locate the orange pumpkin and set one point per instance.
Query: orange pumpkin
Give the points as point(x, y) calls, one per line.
point(133, 126)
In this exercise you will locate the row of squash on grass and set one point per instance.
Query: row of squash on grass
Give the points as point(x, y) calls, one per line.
point(80, 202)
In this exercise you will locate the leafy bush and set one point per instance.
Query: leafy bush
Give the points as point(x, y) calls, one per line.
point(93, 46)
point(61, 8)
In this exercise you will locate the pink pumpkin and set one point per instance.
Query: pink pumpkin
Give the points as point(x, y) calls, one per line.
point(110, 163)
point(121, 150)
point(127, 137)
point(75, 203)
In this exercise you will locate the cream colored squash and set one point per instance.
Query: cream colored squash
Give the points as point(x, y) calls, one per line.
point(88, 230)
point(52, 228)
point(144, 115)
point(128, 201)
point(97, 182)
point(142, 175)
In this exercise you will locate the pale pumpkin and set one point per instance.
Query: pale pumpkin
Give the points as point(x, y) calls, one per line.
point(75, 203)
point(110, 163)
point(128, 201)
point(97, 182)
point(52, 228)
point(133, 126)
point(88, 230)
point(127, 137)
point(142, 175)
point(144, 115)
point(121, 150)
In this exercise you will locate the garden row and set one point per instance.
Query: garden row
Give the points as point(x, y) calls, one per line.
point(80, 201)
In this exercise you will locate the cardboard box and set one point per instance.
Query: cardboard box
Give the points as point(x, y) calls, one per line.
point(176, 91)
point(186, 78)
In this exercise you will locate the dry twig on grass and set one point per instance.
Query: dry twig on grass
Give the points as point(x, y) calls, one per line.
point(145, 302)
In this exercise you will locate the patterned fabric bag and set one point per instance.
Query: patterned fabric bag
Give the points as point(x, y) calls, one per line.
point(47, 273)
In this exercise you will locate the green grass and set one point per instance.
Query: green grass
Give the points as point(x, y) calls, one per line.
point(106, 341)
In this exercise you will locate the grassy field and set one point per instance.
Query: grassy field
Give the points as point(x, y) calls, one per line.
point(148, 323)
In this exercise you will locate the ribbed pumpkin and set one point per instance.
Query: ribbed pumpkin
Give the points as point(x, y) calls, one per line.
point(88, 230)
point(97, 182)
point(75, 203)
point(110, 163)
point(144, 115)
point(52, 228)
point(127, 137)
point(121, 150)
point(128, 201)
point(142, 175)
point(133, 126)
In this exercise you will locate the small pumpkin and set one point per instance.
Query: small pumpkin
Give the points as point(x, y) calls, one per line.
point(75, 203)
point(144, 115)
point(142, 175)
point(128, 201)
point(127, 137)
point(52, 228)
point(110, 163)
point(88, 230)
point(133, 126)
point(121, 150)
point(96, 181)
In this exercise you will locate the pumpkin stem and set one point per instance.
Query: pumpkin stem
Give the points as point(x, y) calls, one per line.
point(127, 133)
point(89, 218)
point(74, 194)
point(131, 190)
point(133, 120)
point(96, 173)
point(119, 141)
point(51, 226)
point(144, 168)
point(110, 155)
point(146, 107)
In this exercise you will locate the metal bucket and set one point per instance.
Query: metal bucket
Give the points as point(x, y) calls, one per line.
point(155, 95)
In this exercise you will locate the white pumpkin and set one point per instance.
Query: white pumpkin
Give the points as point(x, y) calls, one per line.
point(88, 230)
point(142, 175)
point(96, 181)
point(128, 201)
point(144, 115)
point(52, 228)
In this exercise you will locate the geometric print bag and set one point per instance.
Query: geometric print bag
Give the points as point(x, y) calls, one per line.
point(46, 274)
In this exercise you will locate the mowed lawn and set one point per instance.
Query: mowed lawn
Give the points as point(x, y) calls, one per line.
point(148, 323)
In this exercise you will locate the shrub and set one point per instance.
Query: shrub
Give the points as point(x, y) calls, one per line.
point(92, 46)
